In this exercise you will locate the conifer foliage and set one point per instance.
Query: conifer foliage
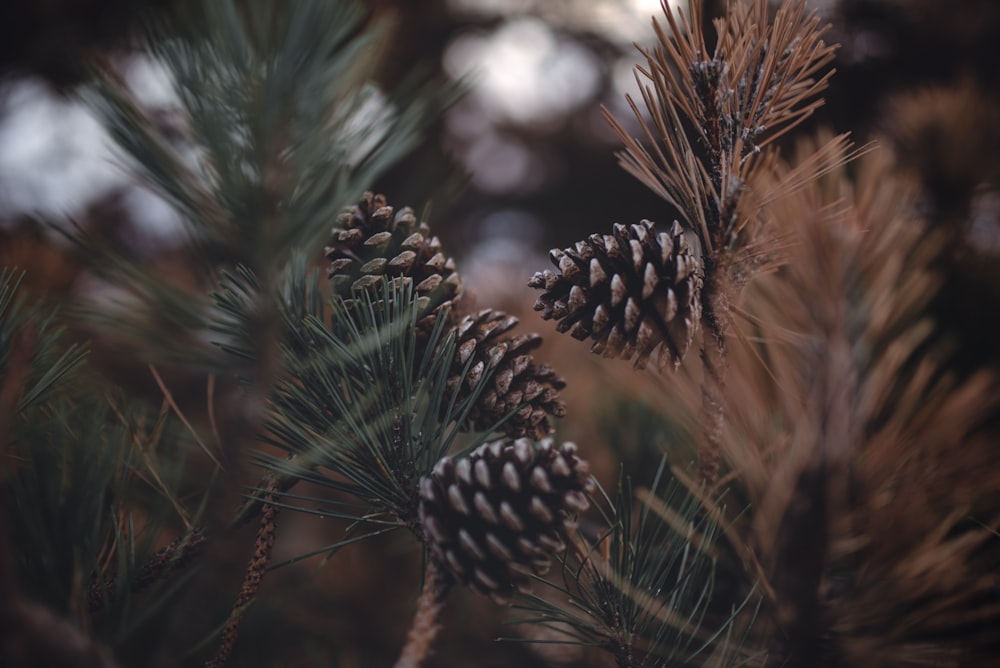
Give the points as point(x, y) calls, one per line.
point(842, 508)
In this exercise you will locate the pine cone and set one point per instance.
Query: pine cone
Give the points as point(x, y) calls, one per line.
point(516, 381)
point(494, 517)
point(630, 291)
point(371, 243)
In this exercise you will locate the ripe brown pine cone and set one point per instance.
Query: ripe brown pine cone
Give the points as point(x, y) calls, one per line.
point(370, 243)
point(517, 379)
point(495, 517)
point(634, 292)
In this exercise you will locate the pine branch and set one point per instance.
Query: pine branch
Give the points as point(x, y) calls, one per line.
point(175, 556)
point(277, 99)
point(377, 396)
point(286, 129)
point(281, 130)
point(254, 574)
point(426, 625)
point(715, 366)
point(860, 409)
point(361, 407)
point(711, 115)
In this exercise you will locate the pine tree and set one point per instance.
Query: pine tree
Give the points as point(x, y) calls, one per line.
point(841, 507)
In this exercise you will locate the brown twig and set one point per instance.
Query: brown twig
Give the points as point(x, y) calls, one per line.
point(714, 359)
point(277, 482)
point(425, 623)
point(254, 575)
point(173, 557)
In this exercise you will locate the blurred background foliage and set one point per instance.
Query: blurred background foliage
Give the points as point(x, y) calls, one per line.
point(524, 161)
point(521, 163)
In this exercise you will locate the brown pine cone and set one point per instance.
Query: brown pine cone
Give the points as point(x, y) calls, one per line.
point(632, 292)
point(495, 517)
point(516, 381)
point(371, 243)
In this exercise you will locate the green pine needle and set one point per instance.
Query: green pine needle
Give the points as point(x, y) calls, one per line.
point(364, 409)
point(644, 589)
point(91, 479)
point(284, 125)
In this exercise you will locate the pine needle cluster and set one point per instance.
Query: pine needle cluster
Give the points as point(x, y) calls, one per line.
point(874, 483)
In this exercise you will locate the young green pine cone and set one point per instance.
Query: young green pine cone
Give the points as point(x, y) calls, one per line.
point(516, 381)
point(370, 243)
point(634, 292)
point(495, 517)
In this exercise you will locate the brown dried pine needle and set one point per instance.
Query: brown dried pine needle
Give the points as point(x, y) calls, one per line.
point(872, 475)
point(711, 115)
